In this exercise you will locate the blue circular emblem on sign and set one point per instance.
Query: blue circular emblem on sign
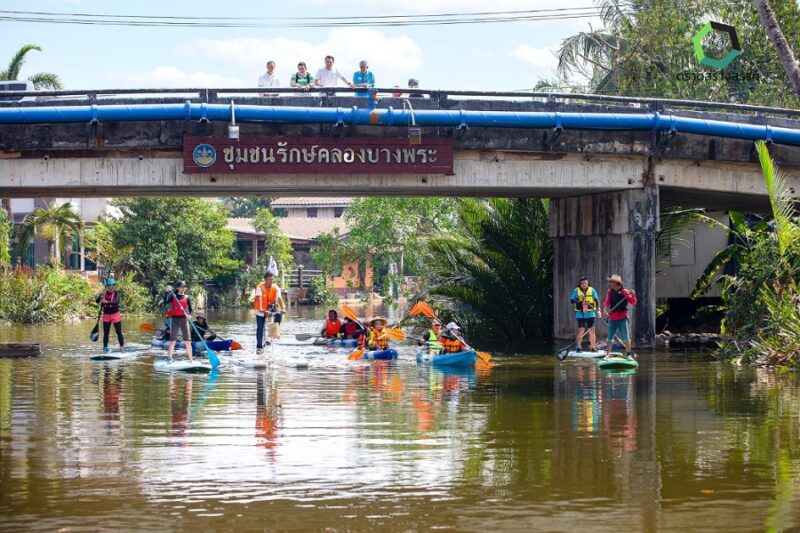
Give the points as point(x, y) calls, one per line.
point(204, 155)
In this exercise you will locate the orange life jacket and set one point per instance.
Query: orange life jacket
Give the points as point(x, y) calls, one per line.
point(378, 339)
point(451, 345)
point(332, 328)
point(265, 297)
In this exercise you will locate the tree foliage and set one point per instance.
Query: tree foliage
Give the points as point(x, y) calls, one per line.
point(5, 239)
point(246, 206)
point(276, 244)
point(41, 80)
point(56, 223)
point(494, 273)
point(644, 48)
point(163, 240)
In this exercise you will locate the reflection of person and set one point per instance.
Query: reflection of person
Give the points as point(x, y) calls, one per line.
point(616, 304)
point(267, 414)
point(363, 78)
point(180, 407)
point(180, 307)
point(585, 300)
point(109, 300)
point(267, 300)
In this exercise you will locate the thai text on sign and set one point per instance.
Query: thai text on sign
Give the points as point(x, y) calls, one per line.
point(316, 155)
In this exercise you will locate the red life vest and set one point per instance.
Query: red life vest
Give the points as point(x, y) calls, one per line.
point(177, 308)
point(350, 330)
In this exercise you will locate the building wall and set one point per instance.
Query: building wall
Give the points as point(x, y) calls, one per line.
point(322, 212)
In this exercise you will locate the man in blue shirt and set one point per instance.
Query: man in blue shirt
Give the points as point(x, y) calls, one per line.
point(587, 308)
point(363, 78)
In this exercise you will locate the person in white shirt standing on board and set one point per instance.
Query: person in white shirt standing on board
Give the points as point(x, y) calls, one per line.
point(328, 76)
point(268, 79)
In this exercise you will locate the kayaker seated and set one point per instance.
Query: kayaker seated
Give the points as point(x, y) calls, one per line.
point(378, 340)
point(201, 326)
point(162, 333)
point(351, 329)
point(332, 328)
point(431, 340)
point(451, 343)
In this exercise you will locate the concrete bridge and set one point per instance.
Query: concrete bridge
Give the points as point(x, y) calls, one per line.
point(605, 162)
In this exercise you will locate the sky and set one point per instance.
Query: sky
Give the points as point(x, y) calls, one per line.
point(494, 56)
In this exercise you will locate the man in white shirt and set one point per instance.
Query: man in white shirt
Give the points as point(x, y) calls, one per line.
point(328, 76)
point(268, 79)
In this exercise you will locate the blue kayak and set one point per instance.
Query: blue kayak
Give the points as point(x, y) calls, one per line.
point(217, 346)
point(381, 354)
point(457, 359)
point(346, 343)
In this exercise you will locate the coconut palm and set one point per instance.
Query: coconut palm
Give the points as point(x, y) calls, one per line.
point(56, 223)
point(494, 274)
point(40, 80)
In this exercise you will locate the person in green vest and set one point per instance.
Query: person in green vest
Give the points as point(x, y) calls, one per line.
point(431, 341)
point(585, 301)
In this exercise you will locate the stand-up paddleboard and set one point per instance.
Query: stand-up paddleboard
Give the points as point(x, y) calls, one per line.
point(585, 354)
point(115, 355)
point(165, 365)
point(617, 361)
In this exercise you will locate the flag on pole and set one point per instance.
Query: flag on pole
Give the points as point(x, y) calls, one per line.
point(272, 266)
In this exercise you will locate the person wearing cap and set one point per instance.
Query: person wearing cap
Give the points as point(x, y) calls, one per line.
point(616, 304)
point(266, 303)
point(201, 326)
point(378, 340)
point(451, 340)
point(585, 302)
point(431, 340)
point(179, 306)
point(109, 301)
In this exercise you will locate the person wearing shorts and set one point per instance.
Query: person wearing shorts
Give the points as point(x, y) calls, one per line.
point(585, 302)
point(180, 307)
point(616, 304)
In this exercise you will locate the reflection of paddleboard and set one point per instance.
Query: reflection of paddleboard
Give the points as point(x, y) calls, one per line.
point(586, 354)
point(181, 366)
point(252, 363)
point(114, 356)
point(293, 362)
point(617, 361)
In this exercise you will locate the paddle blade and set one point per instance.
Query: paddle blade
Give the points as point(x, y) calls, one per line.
point(480, 363)
point(395, 334)
point(235, 345)
point(563, 353)
point(426, 310)
point(94, 335)
point(356, 355)
point(304, 336)
point(212, 357)
point(146, 327)
point(416, 309)
point(350, 313)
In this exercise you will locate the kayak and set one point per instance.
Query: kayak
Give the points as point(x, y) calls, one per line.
point(617, 361)
point(165, 365)
point(346, 343)
point(217, 346)
point(381, 354)
point(461, 359)
point(585, 354)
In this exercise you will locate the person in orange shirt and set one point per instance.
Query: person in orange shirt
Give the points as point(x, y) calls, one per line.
point(268, 302)
point(332, 328)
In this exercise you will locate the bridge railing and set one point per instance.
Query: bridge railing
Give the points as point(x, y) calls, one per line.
point(96, 96)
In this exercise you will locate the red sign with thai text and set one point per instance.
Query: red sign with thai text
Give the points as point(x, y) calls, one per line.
point(316, 155)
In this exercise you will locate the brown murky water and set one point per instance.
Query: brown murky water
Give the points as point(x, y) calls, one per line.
point(682, 444)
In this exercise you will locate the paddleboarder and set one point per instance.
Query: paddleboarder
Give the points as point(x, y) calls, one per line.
point(266, 303)
point(180, 307)
point(109, 301)
point(617, 312)
point(585, 300)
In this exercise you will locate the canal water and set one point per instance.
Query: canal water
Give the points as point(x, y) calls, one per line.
point(682, 444)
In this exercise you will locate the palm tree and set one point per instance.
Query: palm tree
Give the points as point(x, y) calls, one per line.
point(55, 223)
point(779, 41)
point(40, 80)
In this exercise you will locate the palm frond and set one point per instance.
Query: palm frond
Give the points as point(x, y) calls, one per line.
point(783, 211)
point(46, 80)
point(12, 71)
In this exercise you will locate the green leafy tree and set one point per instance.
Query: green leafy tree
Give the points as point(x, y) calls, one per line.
point(5, 239)
point(494, 274)
point(163, 240)
point(40, 80)
point(246, 206)
point(276, 244)
point(56, 223)
point(331, 253)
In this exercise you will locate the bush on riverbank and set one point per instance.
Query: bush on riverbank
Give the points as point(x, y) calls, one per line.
point(46, 294)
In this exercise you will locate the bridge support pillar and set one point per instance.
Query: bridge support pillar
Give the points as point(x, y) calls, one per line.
point(597, 235)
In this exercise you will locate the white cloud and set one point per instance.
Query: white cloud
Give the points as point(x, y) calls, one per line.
point(542, 62)
point(390, 58)
point(167, 76)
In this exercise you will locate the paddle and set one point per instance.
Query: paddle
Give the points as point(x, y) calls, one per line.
point(212, 357)
point(352, 315)
point(564, 352)
point(422, 308)
point(234, 345)
point(305, 336)
point(95, 334)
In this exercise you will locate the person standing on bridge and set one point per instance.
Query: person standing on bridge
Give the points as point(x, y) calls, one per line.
point(301, 79)
point(328, 76)
point(268, 79)
point(363, 78)
point(267, 301)
point(586, 303)
point(616, 304)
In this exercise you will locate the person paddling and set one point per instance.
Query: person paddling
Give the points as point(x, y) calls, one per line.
point(201, 326)
point(332, 328)
point(431, 340)
point(351, 329)
point(378, 339)
point(180, 309)
point(585, 300)
point(109, 301)
point(451, 343)
point(616, 304)
point(267, 301)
